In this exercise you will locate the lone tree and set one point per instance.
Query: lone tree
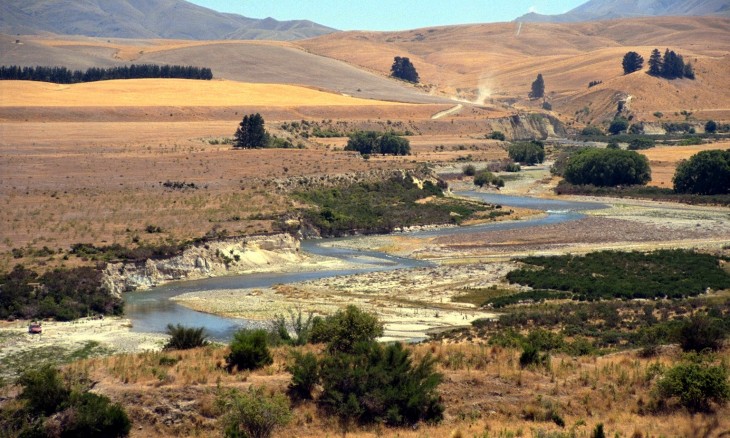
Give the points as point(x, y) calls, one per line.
point(632, 62)
point(655, 63)
point(538, 88)
point(403, 69)
point(251, 133)
point(705, 173)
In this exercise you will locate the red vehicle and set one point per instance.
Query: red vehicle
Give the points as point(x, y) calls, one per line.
point(35, 328)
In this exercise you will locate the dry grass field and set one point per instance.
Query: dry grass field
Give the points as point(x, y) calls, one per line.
point(485, 391)
point(664, 160)
point(169, 92)
point(498, 62)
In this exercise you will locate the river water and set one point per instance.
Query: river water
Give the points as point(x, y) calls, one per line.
point(151, 311)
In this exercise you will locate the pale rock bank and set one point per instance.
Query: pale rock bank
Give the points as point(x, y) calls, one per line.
point(209, 259)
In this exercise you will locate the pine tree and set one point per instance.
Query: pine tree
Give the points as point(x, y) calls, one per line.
point(402, 68)
point(251, 133)
point(538, 88)
point(689, 71)
point(632, 62)
point(655, 63)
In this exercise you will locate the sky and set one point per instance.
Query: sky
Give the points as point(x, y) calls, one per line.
point(390, 14)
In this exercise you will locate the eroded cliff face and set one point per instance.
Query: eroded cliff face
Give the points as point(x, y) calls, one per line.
point(210, 259)
point(528, 126)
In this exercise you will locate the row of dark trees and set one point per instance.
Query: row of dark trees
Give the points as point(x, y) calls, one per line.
point(669, 66)
point(371, 142)
point(62, 75)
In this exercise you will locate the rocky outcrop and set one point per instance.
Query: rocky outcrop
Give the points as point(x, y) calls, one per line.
point(209, 259)
point(528, 126)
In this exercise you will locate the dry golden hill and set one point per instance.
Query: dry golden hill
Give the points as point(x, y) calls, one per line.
point(501, 60)
point(168, 92)
point(244, 61)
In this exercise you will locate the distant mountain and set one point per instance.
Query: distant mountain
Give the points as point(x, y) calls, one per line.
point(172, 19)
point(611, 9)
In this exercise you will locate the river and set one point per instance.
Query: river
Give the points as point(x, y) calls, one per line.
point(151, 311)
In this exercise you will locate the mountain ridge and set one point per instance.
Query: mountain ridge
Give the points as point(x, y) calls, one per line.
point(597, 10)
point(167, 19)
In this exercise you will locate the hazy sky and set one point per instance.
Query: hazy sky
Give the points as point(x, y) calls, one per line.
point(390, 14)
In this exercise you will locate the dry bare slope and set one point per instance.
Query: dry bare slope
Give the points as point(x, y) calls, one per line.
point(168, 93)
point(501, 60)
point(245, 61)
point(144, 19)
point(611, 9)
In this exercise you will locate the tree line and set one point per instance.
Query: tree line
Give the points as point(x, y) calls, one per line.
point(63, 75)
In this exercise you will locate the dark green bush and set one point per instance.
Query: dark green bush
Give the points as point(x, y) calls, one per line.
point(381, 206)
point(62, 294)
point(705, 173)
point(702, 332)
point(469, 170)
point(497, 135)
point(612, 274)
point(44, 390)
point(598, 431)
point(376, 384)
point(591, 130)
point(185, 338)
point(607, 167)
point(94, 416)
point(253, 413)
point(696, 384)
point(346, 328)
point(49, 397)
point(641, 143)
point(305, 375)
point(249, 350)
point(618, 125)
point(485, 177)
point(527, 152)
point(531, 356)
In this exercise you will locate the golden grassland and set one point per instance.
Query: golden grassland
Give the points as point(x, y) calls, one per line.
point(498, 62)
point(169, 92)
point(664, 160)
point(485, 391)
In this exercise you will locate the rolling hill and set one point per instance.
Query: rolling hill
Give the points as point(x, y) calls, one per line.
point(177, 19)
point(497, 62)
point(612, 9)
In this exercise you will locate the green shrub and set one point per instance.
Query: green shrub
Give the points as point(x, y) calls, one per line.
point(469, 170)
point(485, 177)
point(696, 384)
point(44, 390)
point(612, 274)
point(591, 130)
point(346, 328)
point(711, 127)
point(305, 375)
point(618, 125)
point(705, 173)
point(249, 350)
point(641, 143)
point(185, 338)
point(94, 416)
point(527, 152)
point(376, 384)
point(49, 397)
point(607, 167)
point(497, 135)
point(531, 356)
point(598, 431)
point(702, 332)
point(253, 413)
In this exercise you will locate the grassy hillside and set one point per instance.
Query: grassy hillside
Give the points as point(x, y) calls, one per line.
point(499, 61)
